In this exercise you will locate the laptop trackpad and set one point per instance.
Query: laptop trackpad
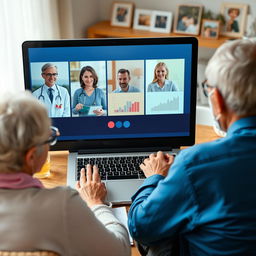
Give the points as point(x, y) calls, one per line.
point(121, 191)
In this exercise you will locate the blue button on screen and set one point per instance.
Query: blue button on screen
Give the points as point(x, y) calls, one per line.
point(119, 124)
point(127, 124)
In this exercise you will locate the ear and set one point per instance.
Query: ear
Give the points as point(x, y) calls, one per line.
point(30, 157)
point(218, 102)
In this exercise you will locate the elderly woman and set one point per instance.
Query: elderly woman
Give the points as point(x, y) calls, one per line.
point(59, 219)
point(208, 195)
point(160, 82)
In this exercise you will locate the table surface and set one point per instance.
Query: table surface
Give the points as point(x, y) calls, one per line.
point(59, 163)
point(104, 29)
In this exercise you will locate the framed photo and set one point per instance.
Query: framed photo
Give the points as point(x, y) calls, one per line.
point(188, 19)
point(122, 13)
point(235, 19)
point(142, 19)
point(210, 29)
point(161, 21)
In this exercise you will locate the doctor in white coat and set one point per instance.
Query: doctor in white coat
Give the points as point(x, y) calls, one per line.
point(55, 97)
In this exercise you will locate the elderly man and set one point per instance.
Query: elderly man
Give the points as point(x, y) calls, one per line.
point(206, 199)
point(56, 98)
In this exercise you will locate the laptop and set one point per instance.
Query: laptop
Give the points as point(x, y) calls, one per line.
point(134, 123)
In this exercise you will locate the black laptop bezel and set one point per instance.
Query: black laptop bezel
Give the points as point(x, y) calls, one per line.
point(128, 145)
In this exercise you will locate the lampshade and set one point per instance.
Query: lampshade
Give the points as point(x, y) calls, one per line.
point(137, 72)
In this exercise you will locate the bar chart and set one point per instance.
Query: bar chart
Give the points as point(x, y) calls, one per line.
point(129, 106)
point(125, 104)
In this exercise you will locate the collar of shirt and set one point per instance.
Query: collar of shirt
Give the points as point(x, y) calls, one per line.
point(47, 87)
point(18, 180)
point(160, 86)
point(120, 89)
point(243, 123)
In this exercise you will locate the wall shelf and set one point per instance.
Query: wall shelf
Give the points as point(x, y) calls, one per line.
point(103, 29)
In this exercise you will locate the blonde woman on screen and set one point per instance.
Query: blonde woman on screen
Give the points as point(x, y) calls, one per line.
point(160, 82)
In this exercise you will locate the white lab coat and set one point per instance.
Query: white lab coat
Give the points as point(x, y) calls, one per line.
point(60, 106)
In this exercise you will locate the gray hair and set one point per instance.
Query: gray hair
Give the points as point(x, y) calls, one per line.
point(48, 65)
point(232, 69)
point(24, 123)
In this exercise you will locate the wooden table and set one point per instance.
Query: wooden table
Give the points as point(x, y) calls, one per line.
point(59, 163)
point(104, 29)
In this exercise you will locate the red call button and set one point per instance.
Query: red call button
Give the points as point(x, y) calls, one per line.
point(111, 124)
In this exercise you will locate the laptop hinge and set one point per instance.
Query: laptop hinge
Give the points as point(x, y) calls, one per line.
point(123, 150)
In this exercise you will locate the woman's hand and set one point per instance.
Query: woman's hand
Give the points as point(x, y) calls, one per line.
point(79, 106)
point(99, 112)
point(90, 187)
point(157, 164)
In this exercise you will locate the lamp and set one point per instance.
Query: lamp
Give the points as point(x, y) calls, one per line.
point(137, 72)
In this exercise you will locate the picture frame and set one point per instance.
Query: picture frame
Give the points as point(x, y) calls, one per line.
point(210, 29)
point(122, 14)
point(161, 21)
point(188, 19)
point(235, 19)
point(142, 19)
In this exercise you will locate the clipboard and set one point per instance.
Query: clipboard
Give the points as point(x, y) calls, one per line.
point(92, 108)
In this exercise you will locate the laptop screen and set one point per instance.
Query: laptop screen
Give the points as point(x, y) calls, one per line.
point(116, 93)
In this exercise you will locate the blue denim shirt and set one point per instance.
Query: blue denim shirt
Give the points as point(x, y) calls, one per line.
point(130, 89)
point(208, 199)
point(169, 86)
point(97, 98)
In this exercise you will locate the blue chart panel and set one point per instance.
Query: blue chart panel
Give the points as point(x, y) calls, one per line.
point(158, 103)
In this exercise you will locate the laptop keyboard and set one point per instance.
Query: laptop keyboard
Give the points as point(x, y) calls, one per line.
point(114, 168)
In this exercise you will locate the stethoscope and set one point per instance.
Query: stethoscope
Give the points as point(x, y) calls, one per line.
point(82, 93)
point(41, 96)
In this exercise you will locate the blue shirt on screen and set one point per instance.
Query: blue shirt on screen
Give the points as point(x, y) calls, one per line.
point(130, 89)
point(97, 98)
point(208, 199)
point(169, 86)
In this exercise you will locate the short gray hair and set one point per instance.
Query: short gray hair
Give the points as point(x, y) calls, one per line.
point(48, 65)
point(24, 123)
point(232, 69)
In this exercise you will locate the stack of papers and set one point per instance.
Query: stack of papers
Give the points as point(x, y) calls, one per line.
point(121, 214)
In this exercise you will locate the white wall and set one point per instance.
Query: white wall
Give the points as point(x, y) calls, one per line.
point(87, 12)
point(84, 14)
point(170, 5)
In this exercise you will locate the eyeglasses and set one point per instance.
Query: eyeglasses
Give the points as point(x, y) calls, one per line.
point(206, 88)
point(53, 137)
point(50, 74)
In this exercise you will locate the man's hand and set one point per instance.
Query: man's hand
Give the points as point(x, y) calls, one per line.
point(90, 187)
point(157, 164)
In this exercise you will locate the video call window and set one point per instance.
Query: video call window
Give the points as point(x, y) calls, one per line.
point(165, 86)
point(88, 88)
point(110, 88)
point(126, 87)
point(51, 85)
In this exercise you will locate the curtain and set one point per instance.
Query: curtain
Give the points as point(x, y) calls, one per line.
point(22, 20)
